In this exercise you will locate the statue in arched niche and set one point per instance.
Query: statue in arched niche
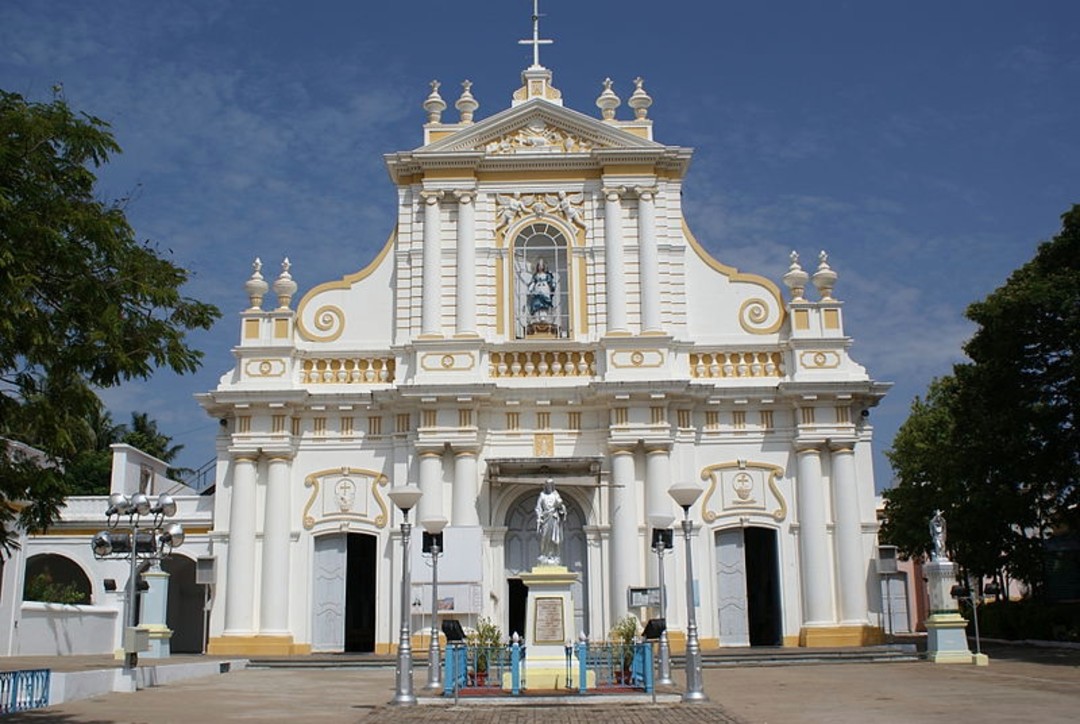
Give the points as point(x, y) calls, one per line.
point(541, 291)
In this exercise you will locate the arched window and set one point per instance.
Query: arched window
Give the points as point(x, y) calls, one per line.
point(541, 283)
point(53, 578)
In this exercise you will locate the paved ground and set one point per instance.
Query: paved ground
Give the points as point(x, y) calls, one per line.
point(1021, 684)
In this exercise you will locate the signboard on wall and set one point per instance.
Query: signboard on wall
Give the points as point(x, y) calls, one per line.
point(642, 597)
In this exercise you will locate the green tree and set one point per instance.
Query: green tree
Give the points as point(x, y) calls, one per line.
point(84, 304)
point(89, 470)
point(996, 445)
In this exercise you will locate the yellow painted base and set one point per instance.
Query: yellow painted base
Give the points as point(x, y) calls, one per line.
point(833, 636)
point(791, 642)
point(255, 646)
point(676, 642)
point(549, 679)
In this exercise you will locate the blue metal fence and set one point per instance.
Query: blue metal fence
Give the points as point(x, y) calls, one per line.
point(597, 666)
point(22, 690)
point(614, 666)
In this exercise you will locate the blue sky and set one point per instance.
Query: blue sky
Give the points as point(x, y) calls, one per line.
point(928, 146)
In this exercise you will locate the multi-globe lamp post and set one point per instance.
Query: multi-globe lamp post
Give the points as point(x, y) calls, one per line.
point(661, 542)
point(685, 495)
point(156, 541)
point(405, 498)
point(433, 545)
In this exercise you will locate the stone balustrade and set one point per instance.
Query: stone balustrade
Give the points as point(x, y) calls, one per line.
point(722, 365)
point(543, 364)
point(347, 371)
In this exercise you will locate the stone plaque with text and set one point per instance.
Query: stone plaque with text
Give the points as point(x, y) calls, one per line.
point(548, 624)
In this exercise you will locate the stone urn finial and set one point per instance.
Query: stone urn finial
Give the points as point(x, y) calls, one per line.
point(284, 286)
point(824, 278)
point(796, 278)
point(640, 100)
point(608, 101)
point(256, 287)
point(434, 104)
point(466, 104)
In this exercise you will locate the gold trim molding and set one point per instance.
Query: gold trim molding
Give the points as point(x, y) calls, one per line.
point(378, 480)
point(754, 311)
point(327, 315)
point(710, 473)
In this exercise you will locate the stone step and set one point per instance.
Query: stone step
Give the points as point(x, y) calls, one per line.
point(755, 656)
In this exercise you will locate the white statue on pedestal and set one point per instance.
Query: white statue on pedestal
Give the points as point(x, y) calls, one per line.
point(550, 514)
point(938, 530)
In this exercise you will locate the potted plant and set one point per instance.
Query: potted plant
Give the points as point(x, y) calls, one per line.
point(484, 639)
point(622, 636)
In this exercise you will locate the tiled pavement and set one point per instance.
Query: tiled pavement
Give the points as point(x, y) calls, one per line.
point(1020, 685)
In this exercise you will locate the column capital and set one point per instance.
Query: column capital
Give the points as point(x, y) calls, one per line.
point(245, 456)
point(803, 448)
point(620, 451)
point(654, 449)
point(465, 196)
point(645, 193)
point(842, 446)
point(432, 197)
point(614, 193)
point(280, 456)
point(461, 452)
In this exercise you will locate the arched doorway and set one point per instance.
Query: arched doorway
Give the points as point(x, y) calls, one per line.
point(184, 615)
point(522, 547)
point(748, 587)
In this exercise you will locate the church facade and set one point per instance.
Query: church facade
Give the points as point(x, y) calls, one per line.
point(542, 310)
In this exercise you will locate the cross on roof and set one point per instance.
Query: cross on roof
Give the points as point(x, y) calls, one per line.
point(536, 42)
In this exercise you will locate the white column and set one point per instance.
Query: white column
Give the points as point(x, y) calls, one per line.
point(648, 262)
point(657, 481)
point(240, 585)
point(623, 545)
point(657, 501)
point(464, 511)
point(431, 484)
point(466, 263)
point(813, 544)
point(613, 262)
point(431, 304)
point(274, 594)
point(850, 562)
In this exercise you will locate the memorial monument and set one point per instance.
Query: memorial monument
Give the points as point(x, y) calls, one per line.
point(550, 613)
point(946, 629)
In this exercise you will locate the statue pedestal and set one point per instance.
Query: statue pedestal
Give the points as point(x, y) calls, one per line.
point(549, 622)
point(946, 629)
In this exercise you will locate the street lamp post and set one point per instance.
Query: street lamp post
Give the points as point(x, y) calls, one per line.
point(686, 494)
point(661, 542)
point(433, 528)
point(405, 498)
point(157, 543)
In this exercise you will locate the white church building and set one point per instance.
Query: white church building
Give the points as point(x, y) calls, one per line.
point(541, 309)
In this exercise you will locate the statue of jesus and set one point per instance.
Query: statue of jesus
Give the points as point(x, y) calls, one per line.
point(550, 514)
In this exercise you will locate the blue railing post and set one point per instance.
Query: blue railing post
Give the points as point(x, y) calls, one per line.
point(583, 664)
point(515, 668)
point(641, 670)
point(456, 667)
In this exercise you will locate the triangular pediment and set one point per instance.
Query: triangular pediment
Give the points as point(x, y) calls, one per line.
point(537, 127)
